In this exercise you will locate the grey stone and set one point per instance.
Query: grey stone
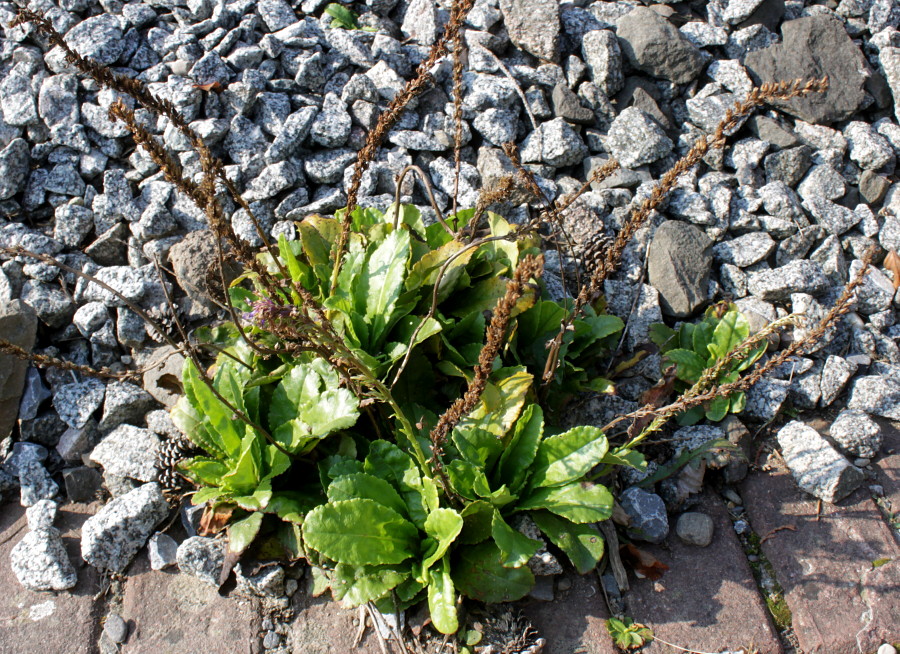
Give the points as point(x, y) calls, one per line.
point(772, 131)
point(678, 266)
point(655, 46)
point(274, 179)
point(34, 393)
point(788, 166)
point(707, 112)
point(876, 395)
point(275, 14)
point(18, 325)
point(603, 57)
point(566, 105)
point(835, 375)
point(873, 187)
point(695, 528)
point(796, 277)
point(328, 167)
point(210, 69)
point(835, 218)
point(111, 538)
point(745, 250)
point(194, 260)
point(126, 281)
point(129, 451)
point(203, 558)
point(534, 26)
point(876, 291)
point(51, 304)
point(15, 160)
point(498, 126)
point(90, 317)
point(331, 126)
point(163, 551)
point(857, 433)
point(765, 399)
point(868, 148)
point(82, 483)
point(99, 38)
point(162, 375)
point(420, 22)
point(41, 515)
point(72, 225)
point(268, 582)
point(77, 441)
point(124, 403)
point(636, 139)
point(815, 465)
point(647, 515)
point(812, 47)
point(822, 182)
point(77, 402)
point(17, 98)
point(40, 561)
point(115, 628)
point(695, 436)
point(35, 483)
point(554, 143)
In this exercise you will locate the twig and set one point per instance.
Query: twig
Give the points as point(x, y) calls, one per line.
point(515, 82)
point(427, 184)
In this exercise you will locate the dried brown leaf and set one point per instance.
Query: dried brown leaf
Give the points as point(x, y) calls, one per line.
point(215, 519)
point(892, 263)
point(643, 563)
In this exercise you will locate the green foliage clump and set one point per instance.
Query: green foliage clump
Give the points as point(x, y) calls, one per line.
point(699, 352)
point(627, 634)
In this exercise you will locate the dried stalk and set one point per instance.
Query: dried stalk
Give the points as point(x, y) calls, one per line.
point(427, 184)
point(44, 361)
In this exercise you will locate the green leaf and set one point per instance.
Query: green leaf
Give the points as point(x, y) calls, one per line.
point(689, 366)
point(731, 331)
point(292, 506)
point(341, 17)
point(245, 473)
point(203, 471)
point(360, 532)
point(622, 457)
point(515, 547)
point(382, 282)
point(581, 502)
point(387, 461)
point(718, 408)
point(477, 517)
point(568, 456)
point(583, 544)
point(360, 485)
point(478, 574)
point(476, 445)
point(242, 532)
point(224, 429)
point(501, 403)
point(443, 525)
point(702, 337)
point(354, 585)
point(662, 336)
point(468, 479)
point(515, 462)
point(691, 416)
point(442, 599)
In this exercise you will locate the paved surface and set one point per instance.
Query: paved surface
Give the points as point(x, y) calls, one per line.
point(708, 600)
point(731, 614)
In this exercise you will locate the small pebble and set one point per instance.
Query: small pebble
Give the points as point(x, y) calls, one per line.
point(271, 640)
point(564, 584)
point(290, 587)
point(862, 462)
point(741, 526)
point(887, 649)
point(116, 628)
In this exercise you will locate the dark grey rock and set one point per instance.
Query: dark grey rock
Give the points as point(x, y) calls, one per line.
point(857, 433)
point(78, 441)
point(82, 483)
point(163, 551)
point(568, 106)
point(111, 538)
point(33, 394)
point(647, 515)
point(815, 465)
point(678, 266)
point(773, 132)
point(873, 187)
point(695, 528)
point(77, 402)
point(18, 325)
point(50, 303)
point(655, 46)
point(533, 26)
point(203, 558)
point(813, 47)
point(788, 166)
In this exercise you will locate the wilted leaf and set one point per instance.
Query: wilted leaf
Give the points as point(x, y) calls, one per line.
point(215, 519)
point(643, 562)
point(211, 86)
point(892, 263)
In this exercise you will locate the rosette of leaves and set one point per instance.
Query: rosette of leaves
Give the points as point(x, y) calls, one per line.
point(297, 404)
point(694, 348)
point(392, 534)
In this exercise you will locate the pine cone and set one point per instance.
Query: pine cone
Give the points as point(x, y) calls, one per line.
point(173, 450)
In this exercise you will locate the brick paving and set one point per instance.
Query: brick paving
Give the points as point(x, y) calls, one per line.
point(171, 613)
point(840, 603)
point(47, 623)
point(708, 599)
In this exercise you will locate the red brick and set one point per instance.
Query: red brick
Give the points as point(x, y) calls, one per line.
point(839, 602)
point(708, 599)
point(322, 626)
point(172, 612)
point(71, 622)
point(575, 621)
